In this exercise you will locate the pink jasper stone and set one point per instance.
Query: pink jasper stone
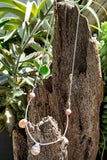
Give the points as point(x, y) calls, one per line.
point(32, 95)
point(22, 123)
point(35, 150)
point(68, 111)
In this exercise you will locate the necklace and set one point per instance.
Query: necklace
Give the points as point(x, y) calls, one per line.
point(35, 150)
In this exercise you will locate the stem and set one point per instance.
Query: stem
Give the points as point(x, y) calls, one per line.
point(35, 29)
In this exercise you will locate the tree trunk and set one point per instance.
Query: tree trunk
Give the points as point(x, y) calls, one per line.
point(87, 92)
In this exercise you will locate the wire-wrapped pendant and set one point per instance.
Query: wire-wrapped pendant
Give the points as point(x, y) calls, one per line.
point(64, 143)
point(35, 150)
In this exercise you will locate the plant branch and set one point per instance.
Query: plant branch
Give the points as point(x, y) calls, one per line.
point(36, 28)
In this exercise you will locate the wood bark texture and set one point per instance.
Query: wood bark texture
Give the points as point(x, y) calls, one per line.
point(102, 15)
point(19, 145)
point(87, 92)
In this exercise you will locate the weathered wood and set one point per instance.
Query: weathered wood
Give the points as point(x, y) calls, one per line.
point(87, 92)
point(46, 131)
point(19, 145)
point(83, 132)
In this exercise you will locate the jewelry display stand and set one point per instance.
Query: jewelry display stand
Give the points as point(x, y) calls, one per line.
point(51, 97)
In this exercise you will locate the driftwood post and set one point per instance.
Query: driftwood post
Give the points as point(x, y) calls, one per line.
point(87, 92)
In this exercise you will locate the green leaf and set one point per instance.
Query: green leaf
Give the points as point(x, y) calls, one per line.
point(96, 28)
point(14, 106)
point(20, 115)
point(20, 105)
point(3, 101)
point(5, 63)
point(25, 64)
point(40, 33)
point(26, 70)
point(4, 22)
point(105, 99)
point(105, 106)
point(14, 21)
point(34, 8)
point(44, 70)
point(40, 7)
point(15, 3)
point(3, 79)
point(104, 121)
point(8, 57)
point(28, 11)
point(36, 46)
point(45, 59)
point(18, 93)
point(13, 10)
point(29, 80)
point(30, 57)
point(9, 35)
point(45, 25)
point(104, 116)
point(37, 64)
point(104, 31)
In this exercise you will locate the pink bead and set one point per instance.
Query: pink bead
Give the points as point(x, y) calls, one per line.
point(64, 143)
point(22, 123)
point(32, 95)
point(68, 111)
point(35, 150)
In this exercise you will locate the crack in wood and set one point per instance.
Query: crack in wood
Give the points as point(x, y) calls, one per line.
point(88, 147)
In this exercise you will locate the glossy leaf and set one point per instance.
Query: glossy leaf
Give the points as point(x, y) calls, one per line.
point(34, 8)
point(26, 70)
point(36, 46)
point(13, 10)
point(10, 21)
point(45, 59)
point(15, 3)
point(40, 7)
point(18, 93)
point(9, 35)
point(30, 57)
point(44, 70)
point(3, 79)
point(29, 80)
point(37, 64)
point(5, 63)
point(8, 57)
point(28, 11)
point(40, 33)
